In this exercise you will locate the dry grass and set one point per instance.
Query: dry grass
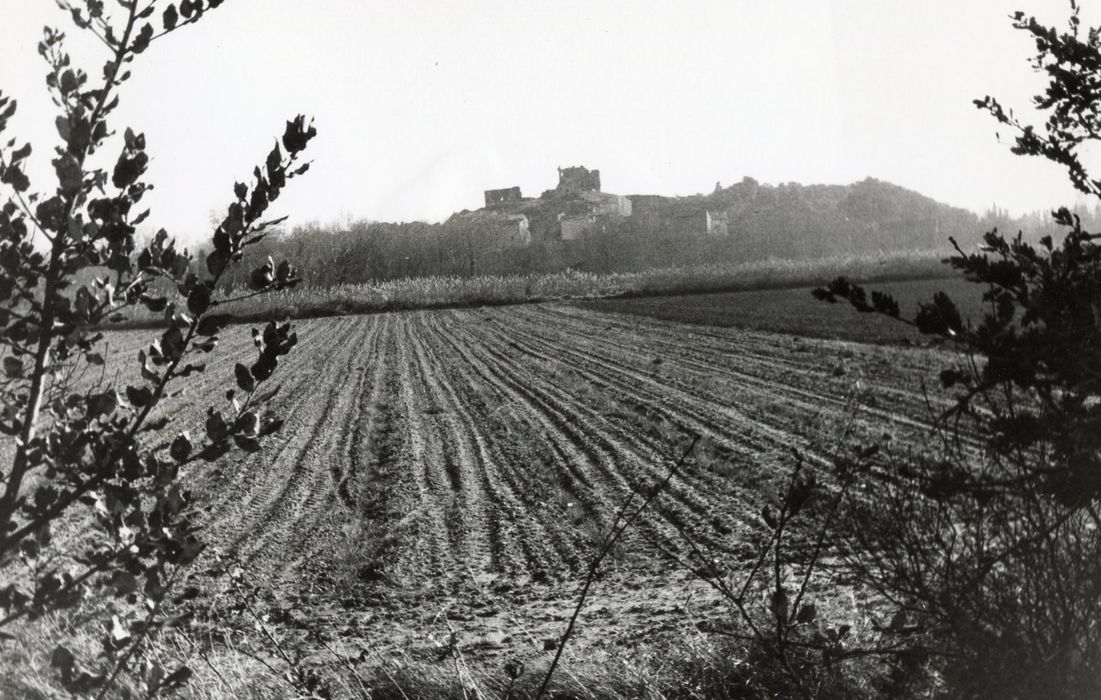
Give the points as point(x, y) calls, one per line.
point(25, 670)
point(697, 666)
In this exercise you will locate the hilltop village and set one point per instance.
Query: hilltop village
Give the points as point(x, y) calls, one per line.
point(576, 207)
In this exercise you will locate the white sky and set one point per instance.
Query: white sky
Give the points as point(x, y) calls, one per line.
point(422, 104)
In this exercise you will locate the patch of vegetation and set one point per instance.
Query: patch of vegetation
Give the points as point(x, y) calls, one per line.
point(459, 292)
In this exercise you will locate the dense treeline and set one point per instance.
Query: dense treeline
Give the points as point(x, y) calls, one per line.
point(788, 221)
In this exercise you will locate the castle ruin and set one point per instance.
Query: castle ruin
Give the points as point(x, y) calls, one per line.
point(507, 195)
point(578, 179)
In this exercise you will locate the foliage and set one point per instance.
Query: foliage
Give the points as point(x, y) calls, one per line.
point(91, 505)
point(987, 545)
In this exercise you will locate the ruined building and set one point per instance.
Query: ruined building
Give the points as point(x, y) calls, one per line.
point(682, 216)
point(718, 223)
point(490, 230)
point(507, 195)
point(578, 179)
point(572, 228)
point(607, 204)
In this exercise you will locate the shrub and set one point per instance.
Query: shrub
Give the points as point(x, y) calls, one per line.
point(87, 453)
point(986, 545)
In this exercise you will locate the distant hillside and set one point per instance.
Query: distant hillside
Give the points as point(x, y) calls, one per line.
point(793, 220)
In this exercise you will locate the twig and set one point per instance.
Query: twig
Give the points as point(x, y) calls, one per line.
point(202, 655)
point(347, 664)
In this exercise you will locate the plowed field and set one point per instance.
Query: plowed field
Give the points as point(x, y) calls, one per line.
point(457, 467)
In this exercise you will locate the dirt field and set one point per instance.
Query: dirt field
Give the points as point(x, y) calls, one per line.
point(451, 471)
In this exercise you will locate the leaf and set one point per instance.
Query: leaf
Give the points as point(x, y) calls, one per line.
point(198, 301)
point(216, 428)
point(13, 368)
point(129, 168)
point(264, 367)
point(210, 325)
point(170, 17)
point(14, 176)
point(94, 358)
point(778, 603)
point(124, 582)
point(274, 159)
point(284, 272)
point(172, 343)
point(68, 81)
point(215, 451)
point(145, 35)
point(245, 380)
point(62, 658)
point(70, 177)
point(262, 277)
point(807, 613)
point(139, 396)
point(11, 598)
point(181, 447)
point(248, 423)
point(21, 153)
point(147, 371)
point(246, 443)
point(296, 135)
point(177, 678)
point(271, 427)
point(216, 262)
point(102, 404)
point(63, 127)
point(950, 377)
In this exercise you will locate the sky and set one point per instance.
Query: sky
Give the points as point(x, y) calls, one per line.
point(421, 105)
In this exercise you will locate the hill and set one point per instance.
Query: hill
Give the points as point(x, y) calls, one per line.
point(811, 220)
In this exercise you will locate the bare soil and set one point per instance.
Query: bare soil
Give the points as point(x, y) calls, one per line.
point(447, 475)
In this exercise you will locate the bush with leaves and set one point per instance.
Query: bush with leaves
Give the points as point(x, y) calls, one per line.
point(89, 453)
point(987, 544)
